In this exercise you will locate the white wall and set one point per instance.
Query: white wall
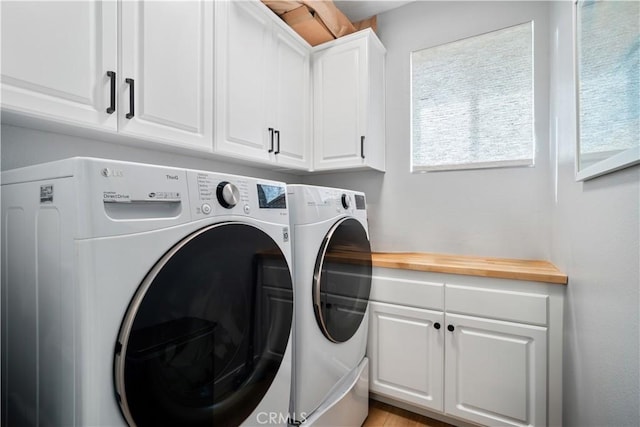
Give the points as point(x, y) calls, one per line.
point(23, 147)
point(499, 212)
point(596, 241)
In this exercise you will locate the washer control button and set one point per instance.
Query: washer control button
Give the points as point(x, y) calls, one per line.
point(206, 208)
point(247, 210)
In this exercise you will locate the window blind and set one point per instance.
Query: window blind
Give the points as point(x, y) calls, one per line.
point(472, 102)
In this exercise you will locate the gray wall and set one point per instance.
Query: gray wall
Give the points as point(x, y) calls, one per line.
point(23, 147)
point(499, 212)
point(596, 241)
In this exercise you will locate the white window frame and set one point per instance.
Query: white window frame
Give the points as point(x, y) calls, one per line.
point(608, 162)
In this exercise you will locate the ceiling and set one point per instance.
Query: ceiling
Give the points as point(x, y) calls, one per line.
point(357, 10)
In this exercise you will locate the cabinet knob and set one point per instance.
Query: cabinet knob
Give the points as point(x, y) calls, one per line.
point(451, 328)
point(436, 325)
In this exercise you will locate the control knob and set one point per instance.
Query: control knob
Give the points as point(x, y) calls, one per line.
point(346, 202)
point(228, 194)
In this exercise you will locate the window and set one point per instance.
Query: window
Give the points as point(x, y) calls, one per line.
point(472, 102)
point(608, 78)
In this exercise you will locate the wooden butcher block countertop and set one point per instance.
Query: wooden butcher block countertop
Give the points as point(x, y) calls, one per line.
point(504, 268)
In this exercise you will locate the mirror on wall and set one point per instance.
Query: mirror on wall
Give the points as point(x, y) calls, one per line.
point(608, 86)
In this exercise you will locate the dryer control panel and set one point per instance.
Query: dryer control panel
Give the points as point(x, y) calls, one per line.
point(310, 204)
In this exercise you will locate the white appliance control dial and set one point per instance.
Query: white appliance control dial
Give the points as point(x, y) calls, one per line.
point(346, 201)
point(228, 194)
point(206, 208)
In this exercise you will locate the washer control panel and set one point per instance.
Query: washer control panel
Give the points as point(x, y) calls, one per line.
point(212, 194)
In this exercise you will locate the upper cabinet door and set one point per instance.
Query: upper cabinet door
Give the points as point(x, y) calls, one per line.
point(292, 102)
point(55, 59)
point(349, 98)
point(166, 83)
point(340, 97)
point(243, 57)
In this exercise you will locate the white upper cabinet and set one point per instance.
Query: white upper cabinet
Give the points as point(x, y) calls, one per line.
point(223, 77)
point(292, 99)
point(60, 62)
point(166, 84)
point(242, 41)
point(349, 119)
point(262, 86)
point(55, 59)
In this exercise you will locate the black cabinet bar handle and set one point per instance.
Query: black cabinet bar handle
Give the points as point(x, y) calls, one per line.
point(112, 106)
point(271, 140)
point(362, 146)
point(131, 112)
point(278, 142)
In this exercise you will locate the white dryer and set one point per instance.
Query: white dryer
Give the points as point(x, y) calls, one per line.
point(144, 295)
point(332, 281)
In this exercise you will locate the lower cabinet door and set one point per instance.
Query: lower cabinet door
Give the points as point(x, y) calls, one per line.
point(495, 371)
point(405, 351)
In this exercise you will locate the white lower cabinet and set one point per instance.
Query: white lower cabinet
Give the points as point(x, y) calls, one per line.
point(496, 372)
point(406, 354)
point(485, 351)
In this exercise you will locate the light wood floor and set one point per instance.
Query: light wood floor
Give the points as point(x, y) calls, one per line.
point(383, 415)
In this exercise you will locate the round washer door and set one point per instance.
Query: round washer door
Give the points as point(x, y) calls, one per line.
point(342, 280)
point(206, 332)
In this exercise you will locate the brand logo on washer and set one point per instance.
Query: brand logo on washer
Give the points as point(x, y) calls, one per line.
point(172, 177)
point(110, 172)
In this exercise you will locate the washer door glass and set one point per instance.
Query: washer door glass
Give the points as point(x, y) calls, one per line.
point(342, 280)
point(207, 330)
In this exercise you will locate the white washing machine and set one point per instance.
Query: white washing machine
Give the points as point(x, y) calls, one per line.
point(144, 295)
point(332, 281)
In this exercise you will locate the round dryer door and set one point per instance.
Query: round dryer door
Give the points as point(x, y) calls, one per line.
point(207, 330)
point(342, 280)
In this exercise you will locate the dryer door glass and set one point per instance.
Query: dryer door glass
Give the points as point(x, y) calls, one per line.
point(342, 280)
point(207, 330)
